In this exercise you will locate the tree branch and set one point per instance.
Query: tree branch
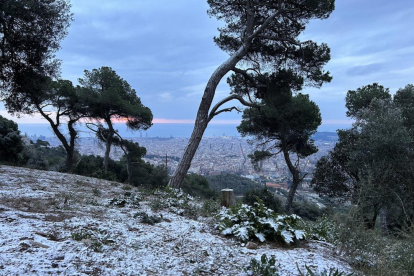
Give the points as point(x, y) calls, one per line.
point(214, 111)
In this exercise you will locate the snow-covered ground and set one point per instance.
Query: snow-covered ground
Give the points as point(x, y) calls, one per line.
point(62, 224)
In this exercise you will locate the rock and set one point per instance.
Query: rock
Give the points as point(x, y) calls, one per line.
point(38, 244)
point(251, 245)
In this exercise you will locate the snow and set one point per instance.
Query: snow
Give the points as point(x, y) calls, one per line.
point(42, 213)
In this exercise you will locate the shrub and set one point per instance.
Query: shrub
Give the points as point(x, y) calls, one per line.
point(331, 272)
point(306, 209)
point(258, 222)
point(197, 185)
point(268, 198)
point(323, 229)
point(266, 267)
point(145, 218)
point(95, 239)
point(127, 199)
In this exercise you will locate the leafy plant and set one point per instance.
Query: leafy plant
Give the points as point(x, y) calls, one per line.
point(266, 266)
point(331, 272)
point(145, 218)
point(258, 222)
point(96, 239)
point(127, 199)
point(324, 229)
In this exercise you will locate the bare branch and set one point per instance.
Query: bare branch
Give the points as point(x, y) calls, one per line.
point(214, 111)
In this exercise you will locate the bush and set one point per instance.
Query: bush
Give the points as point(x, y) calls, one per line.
point(266, 267)
point(127, 199)
point(306, 209)
point(258, 222)
point(331, 272)
point(197, 185)
point(268, 198)
point(367, 250)
point(145, 218)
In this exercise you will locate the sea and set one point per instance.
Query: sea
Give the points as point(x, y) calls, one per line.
point(157, 130)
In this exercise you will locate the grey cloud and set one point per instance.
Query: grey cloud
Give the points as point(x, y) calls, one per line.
point(364, 69)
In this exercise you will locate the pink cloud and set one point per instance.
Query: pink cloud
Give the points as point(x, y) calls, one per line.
point(187, 121)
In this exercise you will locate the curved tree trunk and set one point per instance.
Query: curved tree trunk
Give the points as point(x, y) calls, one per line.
point(203, 117)
point(108, 143)
point(69, 147)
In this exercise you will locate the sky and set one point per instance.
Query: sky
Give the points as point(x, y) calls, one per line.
point(165, 50)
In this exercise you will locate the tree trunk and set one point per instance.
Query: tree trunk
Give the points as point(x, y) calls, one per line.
point(69, 147)
point(128, 169)
point(295, 180)
point(108, 144)
point(202, 117)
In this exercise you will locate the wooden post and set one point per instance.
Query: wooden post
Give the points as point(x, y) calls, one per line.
point(227, 198)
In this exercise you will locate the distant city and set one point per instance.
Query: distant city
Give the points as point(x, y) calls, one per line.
point(215, 155)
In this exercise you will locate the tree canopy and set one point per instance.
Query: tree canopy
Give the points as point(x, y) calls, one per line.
point(283, 124)
point(30, 33)
point(371, 165)
point(109, 98)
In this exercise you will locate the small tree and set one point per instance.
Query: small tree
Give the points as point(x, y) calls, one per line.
point(132, 151)
point(260, 37)
point(60, 105)
point(11, 144)
point(109, 98)
point(284, 124)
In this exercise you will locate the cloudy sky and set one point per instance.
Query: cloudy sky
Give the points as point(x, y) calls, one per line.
point(165, 50)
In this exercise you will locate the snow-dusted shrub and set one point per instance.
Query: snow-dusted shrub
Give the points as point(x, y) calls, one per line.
point(127, 199)
point(145, 218)
point(324, 229)
point(258, 222)
point(177, 198)
point(95, 239)
point(331, 272)
point(266, 267)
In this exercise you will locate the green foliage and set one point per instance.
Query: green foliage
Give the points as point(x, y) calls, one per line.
point(30, 33)
point(357, 100)
point(306, 209)
point(240, 185)
point(90, 165)
point(323, 229)
point(264, 195)
point(368, 251)
point(145, 218)
point(371, 157)
point(108, 95)
point(210, 208)
point(284, 123)
point(264, 267)
point(288, 22)
point(197, 185)
point(331, 272)
point(246, 223)
point(11, 144)
point(127, 199)
point(95, 239)
point(42, 157)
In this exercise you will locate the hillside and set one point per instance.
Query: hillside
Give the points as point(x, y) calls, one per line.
point(62, 224)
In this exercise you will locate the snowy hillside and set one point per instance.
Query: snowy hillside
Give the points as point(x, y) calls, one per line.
point(62, 224)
